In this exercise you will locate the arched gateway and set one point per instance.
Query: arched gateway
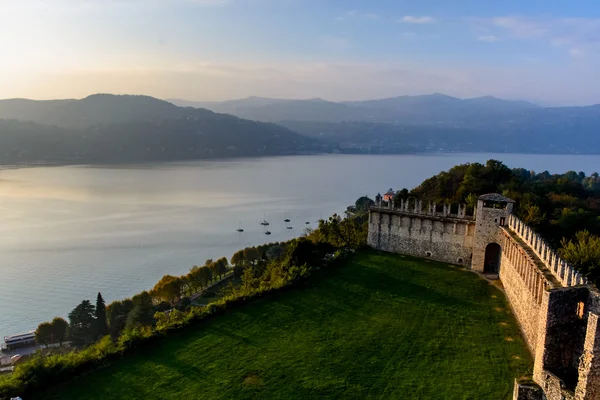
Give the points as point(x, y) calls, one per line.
point(493, 210)
point(491, 263)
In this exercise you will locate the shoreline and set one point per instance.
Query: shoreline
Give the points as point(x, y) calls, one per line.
point(221, 159)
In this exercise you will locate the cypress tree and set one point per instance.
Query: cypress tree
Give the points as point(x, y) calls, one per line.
point(101, 324)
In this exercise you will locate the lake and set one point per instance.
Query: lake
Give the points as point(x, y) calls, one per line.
point(70, 232)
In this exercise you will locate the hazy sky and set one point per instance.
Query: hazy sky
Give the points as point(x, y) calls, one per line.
point(545, 50)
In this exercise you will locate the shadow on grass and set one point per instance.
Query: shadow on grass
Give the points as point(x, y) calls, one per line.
point(384, 282)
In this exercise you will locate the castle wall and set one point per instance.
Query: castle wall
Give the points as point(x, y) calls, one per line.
point(558, 311)
point(562, 271)
point(524, 285)
point(428, 236)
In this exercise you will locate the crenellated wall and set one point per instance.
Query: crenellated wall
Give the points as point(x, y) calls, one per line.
point(524, 284)
point(445, 238)
point(565, 273)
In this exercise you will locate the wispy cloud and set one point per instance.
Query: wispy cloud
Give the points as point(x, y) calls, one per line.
point(418, 20)
point(578, 36)
point(488, 38)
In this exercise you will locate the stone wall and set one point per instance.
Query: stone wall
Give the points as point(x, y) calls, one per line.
point(441, 238)
point(588, 386)
point(524, 285)
point(565, 273)
point(528, 391)
point(567, 359)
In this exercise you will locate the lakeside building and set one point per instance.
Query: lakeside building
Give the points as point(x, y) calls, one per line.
point(20, 340)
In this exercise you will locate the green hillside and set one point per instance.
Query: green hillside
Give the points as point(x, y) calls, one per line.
point(383, 326)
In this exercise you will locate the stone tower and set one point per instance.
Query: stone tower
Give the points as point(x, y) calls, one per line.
point(493, 211)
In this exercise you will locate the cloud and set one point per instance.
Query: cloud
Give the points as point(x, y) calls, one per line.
point(578, 36)
point(488, 38)
point(418, 20)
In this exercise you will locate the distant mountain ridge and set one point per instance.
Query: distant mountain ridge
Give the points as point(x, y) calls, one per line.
point(428, 123)
point(107, 128)
point(95, 109)
point(422, 109)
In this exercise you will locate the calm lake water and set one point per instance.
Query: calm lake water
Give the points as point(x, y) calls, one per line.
point(67, 233)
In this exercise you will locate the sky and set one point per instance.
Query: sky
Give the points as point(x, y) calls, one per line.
point(210, 50)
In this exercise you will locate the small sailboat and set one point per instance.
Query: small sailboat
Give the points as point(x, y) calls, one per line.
point(286, 220)
point(265, 222)
point(239, 229)
point(267, 232)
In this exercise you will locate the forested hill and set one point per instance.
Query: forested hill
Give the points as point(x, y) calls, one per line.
point(110, 129)
point(429, 123)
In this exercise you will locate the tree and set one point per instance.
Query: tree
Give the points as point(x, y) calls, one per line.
point(363, 204)
point(251, 255)
point(168, 289)
point(533, 214)
point(583, 253)
point(101, 322)
point(221, 266)
point(205, 276)
point(116, 314)
point(275, 252)
point(142, 313)
point(302, 251)
point(238, 258)
point(338, 232)
point(199, 277)
point(44, 334)
point(82, 323)
point(60, 330)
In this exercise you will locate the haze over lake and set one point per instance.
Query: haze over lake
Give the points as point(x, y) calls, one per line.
point(69, 232)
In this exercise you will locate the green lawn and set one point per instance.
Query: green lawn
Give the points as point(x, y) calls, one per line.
point(383, 326)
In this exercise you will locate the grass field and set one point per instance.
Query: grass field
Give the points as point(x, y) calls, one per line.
point(383, 326)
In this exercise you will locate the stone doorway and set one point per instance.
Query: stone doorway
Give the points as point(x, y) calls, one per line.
point(491, 264)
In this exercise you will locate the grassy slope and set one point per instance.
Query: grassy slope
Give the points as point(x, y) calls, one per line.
point(384, 326)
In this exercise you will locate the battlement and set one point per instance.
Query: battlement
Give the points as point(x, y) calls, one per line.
point(415, 207)
point(562, 271)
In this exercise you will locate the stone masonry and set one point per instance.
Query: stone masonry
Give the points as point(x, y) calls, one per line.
point(558, 310)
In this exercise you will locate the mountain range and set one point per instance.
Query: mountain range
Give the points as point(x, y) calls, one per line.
point(119, 129)
point(428, 123)
point(106, 128)
point(424, 109)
